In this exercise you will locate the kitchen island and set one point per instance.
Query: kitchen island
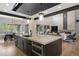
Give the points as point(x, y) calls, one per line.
point(42, 45)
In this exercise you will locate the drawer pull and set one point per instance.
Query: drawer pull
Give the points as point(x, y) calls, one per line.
point(36, 52)
point(37, 46)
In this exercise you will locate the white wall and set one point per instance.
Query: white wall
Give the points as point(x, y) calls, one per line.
point(5, 20)
point(55, 20)
point(12, 20)
point(77, 14)
point(45, 21)
point(77, 23)
point(71, 22)
point(60, 22)
point(77, 28)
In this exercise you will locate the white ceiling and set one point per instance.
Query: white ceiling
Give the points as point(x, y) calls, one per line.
point(6, 6)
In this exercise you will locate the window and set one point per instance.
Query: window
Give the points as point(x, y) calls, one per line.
point(4, 28)
point(42, 28)
point(27, 28)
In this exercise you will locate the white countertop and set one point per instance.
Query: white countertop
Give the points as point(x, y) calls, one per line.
point(43, 39)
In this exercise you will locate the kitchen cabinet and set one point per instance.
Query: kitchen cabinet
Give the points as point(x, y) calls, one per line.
point(51, 49)
point(23, 44)
point(34, 48)
point(27, 46)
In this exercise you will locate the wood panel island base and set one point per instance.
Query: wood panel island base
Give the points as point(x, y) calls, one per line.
point(42, 45)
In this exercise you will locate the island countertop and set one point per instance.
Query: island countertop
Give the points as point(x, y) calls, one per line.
point(42, 39)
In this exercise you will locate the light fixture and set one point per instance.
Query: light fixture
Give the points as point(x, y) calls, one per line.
point(41, 16)
point(28, 21)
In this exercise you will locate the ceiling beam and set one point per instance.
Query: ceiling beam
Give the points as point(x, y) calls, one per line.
point(8, 14)
point(61, 11)
point(16, 6)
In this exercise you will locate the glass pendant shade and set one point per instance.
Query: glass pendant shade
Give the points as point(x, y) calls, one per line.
point(41, 16)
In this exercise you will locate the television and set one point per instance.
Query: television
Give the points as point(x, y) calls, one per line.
point(54, 28)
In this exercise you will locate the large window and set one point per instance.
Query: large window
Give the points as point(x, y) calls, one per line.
point(42, 28)
point(9, 28)
point(14, 28)
point(39, 28)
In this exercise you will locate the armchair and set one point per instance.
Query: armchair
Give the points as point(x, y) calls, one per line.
point(71, 37)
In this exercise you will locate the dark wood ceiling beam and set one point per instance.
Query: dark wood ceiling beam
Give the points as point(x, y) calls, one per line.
point(16, 6)
point(8, 14)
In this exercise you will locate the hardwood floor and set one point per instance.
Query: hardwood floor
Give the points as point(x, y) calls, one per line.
point(8, 48)
point(70, 49)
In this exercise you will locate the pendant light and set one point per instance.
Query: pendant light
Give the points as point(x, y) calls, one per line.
point(28, 21)
point(41, 16)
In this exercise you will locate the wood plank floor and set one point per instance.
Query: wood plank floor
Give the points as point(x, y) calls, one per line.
point(9, 49)
point(70, 49)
